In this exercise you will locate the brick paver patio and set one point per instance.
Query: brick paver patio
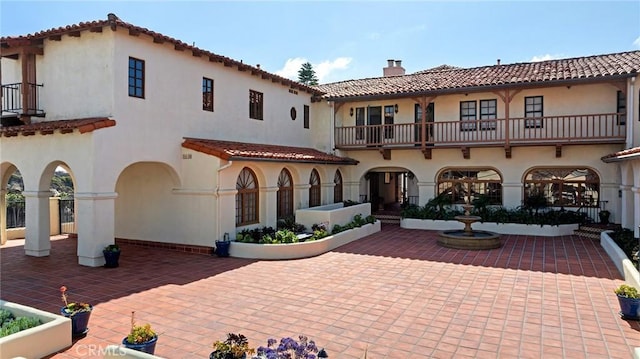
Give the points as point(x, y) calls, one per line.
point(396, 292)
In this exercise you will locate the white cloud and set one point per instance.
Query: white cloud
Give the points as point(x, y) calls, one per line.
point(322, 69)
point(545, 57)
point(637, 42)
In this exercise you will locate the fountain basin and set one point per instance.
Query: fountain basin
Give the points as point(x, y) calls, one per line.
point(461, 239)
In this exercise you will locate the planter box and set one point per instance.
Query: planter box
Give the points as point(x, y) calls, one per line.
point(502, 228)
point(331, 214)
point(51, 336)
point(622, 262)
point(303, 249)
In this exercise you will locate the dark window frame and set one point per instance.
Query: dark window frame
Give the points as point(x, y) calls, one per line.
point(388, 120)
point(305, 109)
point(360, 122)
point(315, 189)
point(533, 117)
point(247, 198)
point(284, 196)
point(136, 77)
point(621, 107)
point(457, 182)
point(467, 116)
point(337, 189)
point(256, 105)
point(562, 188)
point(207, 94)
point(488, 111)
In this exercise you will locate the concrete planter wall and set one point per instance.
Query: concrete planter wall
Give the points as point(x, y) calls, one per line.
point(303, 249)
point(51, 336)
point(502, 228)
point(331, 214)
point(622, 262)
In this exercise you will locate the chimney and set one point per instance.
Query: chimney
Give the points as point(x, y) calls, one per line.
point(393, 69)
point(498, 62)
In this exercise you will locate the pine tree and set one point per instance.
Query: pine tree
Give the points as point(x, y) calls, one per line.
point(307, 75)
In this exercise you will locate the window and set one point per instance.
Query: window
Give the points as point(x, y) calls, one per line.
point(285, 195)
point(246, 198)
point(136, 77)
point(337, 189)
point(388, 121)
point(466, 184)
point(207, 94)
point(314, 190)
point(533, 108)
point(306, 116)
point(467, 113)
point(360, 123)
point(567, 187)
point(488, 111)
point(621, 108)
point(255, 105)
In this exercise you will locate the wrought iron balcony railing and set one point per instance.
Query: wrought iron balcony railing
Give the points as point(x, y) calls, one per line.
point(22, 101)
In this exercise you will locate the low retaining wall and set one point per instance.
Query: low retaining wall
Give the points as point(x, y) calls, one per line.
point(302, 249)
point(502, 228)
point(51, 336)
point(331, 214)
point(622, 262)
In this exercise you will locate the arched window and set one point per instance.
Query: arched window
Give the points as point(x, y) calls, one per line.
point(314, 190)
point(564, 186)
point(337, 190)
point(285, 195)
point(246, 198)
point(466, 184)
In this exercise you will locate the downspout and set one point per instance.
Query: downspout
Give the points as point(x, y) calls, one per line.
point(630, 113)
point(229, 163)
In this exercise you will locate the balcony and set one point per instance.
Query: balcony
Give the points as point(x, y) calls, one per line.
point(550, 130)
point(17, 101)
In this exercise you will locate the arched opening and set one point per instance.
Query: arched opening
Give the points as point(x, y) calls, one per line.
point(463, 185)
point(337, 189)
point(284, 195)
point(315, 190)
point(247, 206)
point(389, 189)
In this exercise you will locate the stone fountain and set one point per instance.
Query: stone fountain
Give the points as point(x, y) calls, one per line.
point(468, 238)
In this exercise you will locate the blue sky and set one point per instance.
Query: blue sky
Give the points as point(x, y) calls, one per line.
point(346, 40)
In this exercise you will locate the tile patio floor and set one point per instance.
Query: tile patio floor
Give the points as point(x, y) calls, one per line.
point(396, 292)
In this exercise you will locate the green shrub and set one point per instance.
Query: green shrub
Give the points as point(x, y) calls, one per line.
point(11, 325)
point(624, 239)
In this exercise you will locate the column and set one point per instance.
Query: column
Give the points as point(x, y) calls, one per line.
point(351, 191)
point(37, 242)
point(426, 191)
point(3, 216)
point(326, 193)
point(226, 209)
point(269, 207)
point(96, 225)
point(636, 209)
point(301, 195)
point(512, 194)
point(626, 206)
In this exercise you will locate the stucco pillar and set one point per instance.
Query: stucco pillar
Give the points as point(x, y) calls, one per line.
point(626, 206)
point(351, 191)
point(37, 242)
point(302, 195)
point(326, 194)
point(609, 193)
point(636, 209)
point(226, 214)
point(3, 216)
point(270, 208)
point(96, 226)
point(426, 191)
point(511, 194)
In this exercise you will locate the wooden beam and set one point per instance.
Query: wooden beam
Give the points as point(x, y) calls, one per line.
point(178, 47)
point(75, 33)
point(427, 153)
point(196, 53)
point(158, 40)
point(558, 151)
point(55, 37)
point(507, 152)
point(466, 153)
point(96, 29)
point(386, 154)
point(134, 32)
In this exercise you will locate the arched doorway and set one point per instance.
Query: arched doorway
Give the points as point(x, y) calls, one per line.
point(389, 189)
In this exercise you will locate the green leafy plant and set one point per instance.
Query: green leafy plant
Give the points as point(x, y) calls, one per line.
point(627, 291)
point(73, 308)
point(10, 324)
point(112, 248)
point(236, 346)
point(140, 333)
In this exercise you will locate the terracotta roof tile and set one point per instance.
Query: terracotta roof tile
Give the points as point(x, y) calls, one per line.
point(228, 150)
point(446, 79)
point(83, 125)
point(114, 22)
point(622, 155)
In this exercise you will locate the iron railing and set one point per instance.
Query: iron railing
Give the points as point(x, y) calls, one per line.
point(15, 214)
point(15, 100)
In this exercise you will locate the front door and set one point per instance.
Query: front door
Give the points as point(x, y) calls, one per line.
point(429, 123)
point(374, 190)
point(375, 125)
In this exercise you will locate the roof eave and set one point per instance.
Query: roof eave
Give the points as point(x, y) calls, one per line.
point(629, 157)
point(255, 159)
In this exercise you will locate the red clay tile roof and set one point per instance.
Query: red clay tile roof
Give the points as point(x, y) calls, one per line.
point(259, 152)
point(443, 80)
point(83, 125)
point(114, 22)
point(622, 155)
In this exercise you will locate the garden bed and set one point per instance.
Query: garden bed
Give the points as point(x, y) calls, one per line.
point(331, 214)
point(301, 249)
point(502, 228)
point(49, 337)
point(620, 259)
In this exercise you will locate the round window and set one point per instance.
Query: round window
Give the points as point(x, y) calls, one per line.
point(293, 113)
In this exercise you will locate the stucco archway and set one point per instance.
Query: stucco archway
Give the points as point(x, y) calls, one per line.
point(389, 188)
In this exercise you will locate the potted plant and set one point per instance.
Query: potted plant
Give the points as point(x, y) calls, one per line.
point(78, 312)
point(290, 348)
point(236, 346)
point(629, 300)
point(111, 255)
point(604, 216)
point(141, 337)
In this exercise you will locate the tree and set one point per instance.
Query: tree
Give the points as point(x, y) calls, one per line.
point(307, 75)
